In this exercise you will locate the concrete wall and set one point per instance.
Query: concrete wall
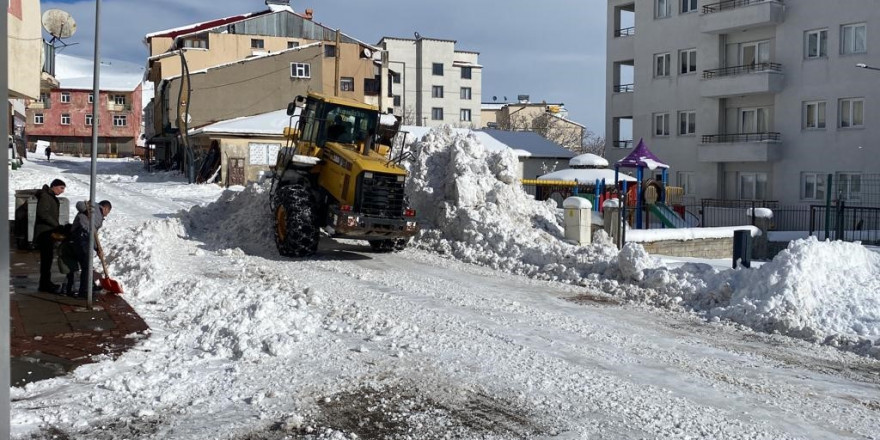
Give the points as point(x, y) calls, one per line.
point(24, 43)
point(829, 78)
point(699, 248)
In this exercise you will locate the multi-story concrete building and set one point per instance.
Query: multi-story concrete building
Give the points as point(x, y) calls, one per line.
point(440, 85)
point(63, 116)
point(748, 99)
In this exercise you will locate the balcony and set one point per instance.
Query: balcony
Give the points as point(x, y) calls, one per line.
point(742, 80)
point(624, 32)
point(742, 147)
point(733, 15)
point(622, 144)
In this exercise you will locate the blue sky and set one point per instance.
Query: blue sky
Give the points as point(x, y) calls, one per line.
point(551, 50)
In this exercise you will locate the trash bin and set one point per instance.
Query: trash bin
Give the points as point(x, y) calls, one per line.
point(742, 248)
point(578, 219)
point(26, 216)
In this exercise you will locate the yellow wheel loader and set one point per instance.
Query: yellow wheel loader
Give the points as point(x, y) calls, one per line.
point(336, 174)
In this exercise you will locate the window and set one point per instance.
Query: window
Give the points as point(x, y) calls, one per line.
point(292, 44)
point(91, 98)
point(88, 120)
point(346, 84)
point(816, 43)
point(814, 114)
point(119, 121)
point(687, 123)
point(196, 42)
point(754, 120)
point(65, 97)
point(661, 64)
point(661, 124)
point(397, 100)
point(813, 186)
point(849, 186)
point(44, 98)
point(687, 60)
point(395, 77)
point(65, 119)
point(300, 70)
point(663, 8)
point(257, 43)
point(686, 181)
point(38, 118)
point(753, 186)
point(754, 53)
point(437, 113)
point(688, 6)
point(466, 73)
point(465, 93)
point(329, 50)
point(119, 99)
point(437, 91)
point(853, 38)
point(465, 115)
point(437, 69)
point(263, 153)
point(852, 112)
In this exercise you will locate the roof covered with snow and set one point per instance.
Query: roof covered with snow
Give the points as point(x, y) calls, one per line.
point(537, 145)
point(78, 74)
point(270, 123)
point(586, 175)
point(588, 160)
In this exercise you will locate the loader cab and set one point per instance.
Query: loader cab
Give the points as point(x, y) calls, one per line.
point(322, 121)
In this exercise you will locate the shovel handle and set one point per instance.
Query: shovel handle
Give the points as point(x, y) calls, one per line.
point(101, 256)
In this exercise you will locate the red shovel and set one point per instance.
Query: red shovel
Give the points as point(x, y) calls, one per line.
point(107, 283)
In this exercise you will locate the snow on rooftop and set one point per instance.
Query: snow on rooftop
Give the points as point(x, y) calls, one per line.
point(588, 160)
point(78, 74)
point(271, 124)
point(586, 175)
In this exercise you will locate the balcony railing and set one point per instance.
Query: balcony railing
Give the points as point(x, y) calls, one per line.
point(623, 144)
point(741, 137)
point(740, 70)
point(731, 4)
point(623, 88)
point(625, 32)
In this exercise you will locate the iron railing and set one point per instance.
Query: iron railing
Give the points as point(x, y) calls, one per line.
point(623, 144)
point(732, 4)
point(625, 32)
point(744, 69)
point(623, 88)
point(741, 137)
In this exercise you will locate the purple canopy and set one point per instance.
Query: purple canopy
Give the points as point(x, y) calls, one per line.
point(640, 157)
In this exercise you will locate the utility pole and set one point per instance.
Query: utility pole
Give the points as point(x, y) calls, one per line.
point(336, 81)
point(96, 107)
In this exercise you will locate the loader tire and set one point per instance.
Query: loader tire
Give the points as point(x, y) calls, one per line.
point(296, 229)
point(385, 246)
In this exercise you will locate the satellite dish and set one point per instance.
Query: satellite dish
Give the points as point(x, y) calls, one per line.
point(59, 24)
point(494, 98)
point(416, 34)
point(367, 52)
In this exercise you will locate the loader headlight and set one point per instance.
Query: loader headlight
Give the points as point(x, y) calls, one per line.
point(401, 178)
point(368, 175)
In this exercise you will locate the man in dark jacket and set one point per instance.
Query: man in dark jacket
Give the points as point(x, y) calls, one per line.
point(46, 223)
point(79, 241)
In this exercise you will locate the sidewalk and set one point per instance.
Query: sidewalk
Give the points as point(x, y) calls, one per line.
point(54, 334)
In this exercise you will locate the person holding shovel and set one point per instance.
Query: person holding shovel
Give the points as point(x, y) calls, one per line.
point(78, 243)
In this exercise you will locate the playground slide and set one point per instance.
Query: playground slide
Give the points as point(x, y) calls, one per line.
point(667, 216)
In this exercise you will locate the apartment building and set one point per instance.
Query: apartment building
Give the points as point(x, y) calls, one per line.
point(64, 115)
point(433, 83)
point(748, 99)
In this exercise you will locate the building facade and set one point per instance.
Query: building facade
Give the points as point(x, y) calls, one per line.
point(754, 100)
point(433, 83)
point(63, 115)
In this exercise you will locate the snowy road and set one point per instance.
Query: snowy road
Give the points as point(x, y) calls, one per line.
point(246, 345)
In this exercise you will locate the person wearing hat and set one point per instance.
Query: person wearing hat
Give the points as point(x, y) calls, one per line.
point(46, 223)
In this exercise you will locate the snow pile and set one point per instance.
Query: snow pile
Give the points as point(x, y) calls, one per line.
point(471, 207)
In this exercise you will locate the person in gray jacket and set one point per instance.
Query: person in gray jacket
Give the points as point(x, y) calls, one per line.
point(79, 242)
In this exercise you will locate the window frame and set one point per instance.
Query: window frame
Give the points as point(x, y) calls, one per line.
point(65, 97)
point(844, 50)
point(91, 98)
point(688, 6)
point(65, 119)
point(466, 93)
point(664, 59)
point(292, 44)
point(667, 8)
point(690, 121)
point(685, 180)
point(755, 185)
point(120, 121)
point(258, 43)
point(820, 186)
point(821, 41)
point(435, 111)
point(850, 104)
point(437, 91)
point(301, 70)
point(469, 74)
point(396, 99)
point(664, 130)
point(396, 77)
point(821, 122)
point(329, 50)
point(39, 118)
point(89, 120)
point(118, 98)
point(845, 180)
point(691, 55)
point(435, 68)
point(346, 84)
point(465, 115)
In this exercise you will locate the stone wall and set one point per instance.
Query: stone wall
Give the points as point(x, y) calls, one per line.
point(697, 248)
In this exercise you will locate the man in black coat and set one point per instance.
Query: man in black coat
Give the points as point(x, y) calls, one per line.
point(46, 223)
